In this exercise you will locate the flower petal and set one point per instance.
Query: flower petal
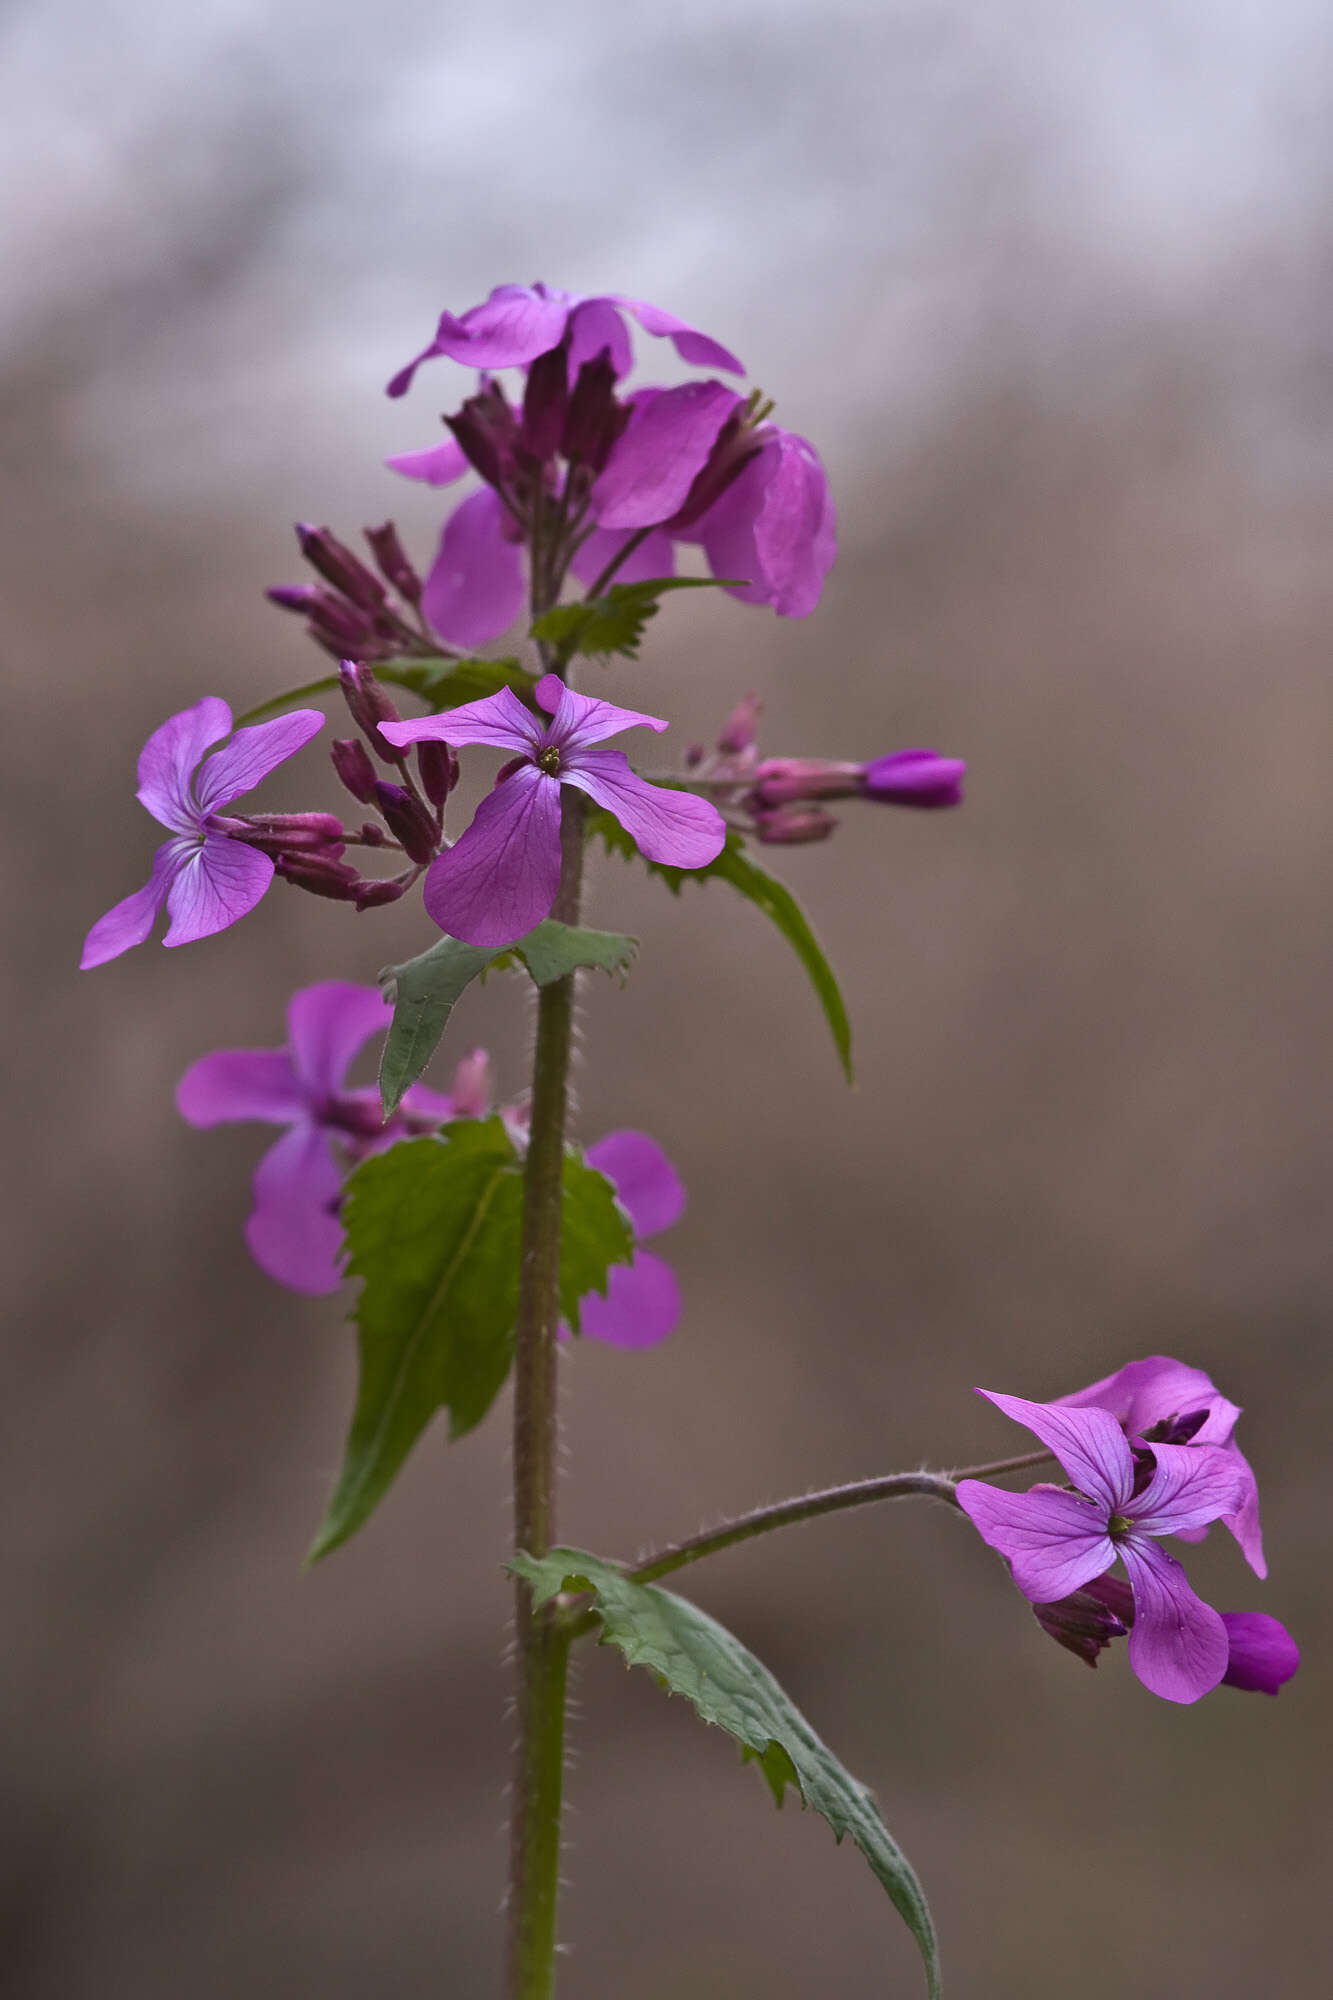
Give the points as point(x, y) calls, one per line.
point(1191, 1485)
point(434, 465)
point(677, 828)
point(252, 753)
point(219, 882)
point(236, 1084)
point(1089, 1444)
point(1054, 1542)
point(1244, 1523)
point(326, 1025)
point(500, 720)
point(655, 556)
point(475, 586)
point(1262, 1654)
point(1178, 1644)
point(294, 1234)
point(170, 757)
point(500, 878)
point(641, 1307)
point(593, 326)
point(1145, 1393)
point(579, 719)
point(130, 922)
point(663, 449)
point(647, 1186)
point(795, 529)
point(514, 325)
point(699, 349)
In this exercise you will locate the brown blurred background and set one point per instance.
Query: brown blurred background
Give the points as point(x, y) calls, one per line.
point(1052, 288)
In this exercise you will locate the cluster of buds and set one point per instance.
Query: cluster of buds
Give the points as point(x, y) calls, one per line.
point(350, 613)
point(411, 810)
point(780, 800)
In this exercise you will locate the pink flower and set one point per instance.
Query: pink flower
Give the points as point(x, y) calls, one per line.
point(501, 876)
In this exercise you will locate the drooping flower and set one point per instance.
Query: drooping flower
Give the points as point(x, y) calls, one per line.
point(501, 876)
point(517, 323)
point(293, 1233)
point(209, 873)
point(1162, 1399)
point(1056, 1542)
point(1262, 1656)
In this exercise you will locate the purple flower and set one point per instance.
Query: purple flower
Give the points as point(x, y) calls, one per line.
point(519, 322)
point(501, 876)
point(293, 1233)
point(1159, 1398)
point(1262, 1656)
point(642, 1302)
point(206, 874)
point(1056, 1542)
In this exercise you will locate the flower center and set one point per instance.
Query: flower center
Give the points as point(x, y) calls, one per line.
point(548, 760)
point(1118, 1527)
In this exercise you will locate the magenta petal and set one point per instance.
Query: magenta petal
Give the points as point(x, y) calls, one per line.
point(595, 326)
point(475, 585)
point(1178, 1644)
point(130, 922)
point(221, 881)
point(294, 1233)
point(647, 1186)
point(251, 754)
point(471, 1087)
point(1191, 1485)
point(1089, 1444)
point(1143, 1393)
point(169, 758)
point(234, 1084)
point(795, 529)
point(676, 828)
point(578, 719)
point(666, 445)
point(513, 326)
point(434, 465)
point(727, 533)
point(1054, 1542)
point(437, 1106)
point(1244, 1523)
point(500, 879)
point(655, 556)
point(697, 348)
point(326, 1025)
point(641, 1307)
point(1262, 1655)
point(499, 720)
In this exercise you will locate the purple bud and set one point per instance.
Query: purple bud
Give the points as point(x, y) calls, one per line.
point(545, 404)
point(1263, 1656)
point(300, 597)
point(793, 826)
point(374, 895)
point(778, 781)
point(408, 821)
point(738, 732)
point(371, 833)
point(439, 770)
point(735, 445)
point(338, 566)
point(595, 419)
point(320, 876)
point(486, 431)
point(369, 706)
point(290, 833)
point(354, 768)
point(920, 778)
point(1080, 1624)
point(394, 562)
point(694, 756)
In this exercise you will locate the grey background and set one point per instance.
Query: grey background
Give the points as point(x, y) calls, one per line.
point(1051, 289)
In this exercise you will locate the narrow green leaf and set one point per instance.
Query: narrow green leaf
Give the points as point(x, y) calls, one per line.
point(441, 683)
point(774, 898)
point(690, 1654)
point(615, 623)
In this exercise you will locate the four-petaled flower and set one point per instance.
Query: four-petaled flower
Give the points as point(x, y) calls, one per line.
point(206, 877)
point(1056, 1541)
point(501, 876)
point(294, 1233)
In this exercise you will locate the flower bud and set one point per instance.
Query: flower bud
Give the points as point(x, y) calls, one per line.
point(471, 1087)
point(545, 403)
point(920, 778)
point(486, 432)
point(1082, 1623)
point(439, 769)
point(293, 596)
point(595, 419)
point(735, 445)
point(738, 732)
point(793, 826)
point(780, 780)
point(374, 895)
point(319, 875)
point(371, 833)
point(395, 565)
point(291, 833)
point(369, 706)
point(338, 566)
point(355, 770)
point(408, 821)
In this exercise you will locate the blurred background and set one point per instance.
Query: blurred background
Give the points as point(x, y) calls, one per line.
point(1052, 289)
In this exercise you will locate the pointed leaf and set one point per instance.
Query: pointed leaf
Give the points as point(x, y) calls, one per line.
point(554, 949)
point(692, 1655)
point(614, 623)
point(734, 865)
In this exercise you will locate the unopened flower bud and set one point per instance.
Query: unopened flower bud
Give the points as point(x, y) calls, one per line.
point(545, 403)
point(374, 895)
point(738, 731)
point(355, 770)
point(793, 826)
point(299, 597)
point(371, 833)
point(487, 433)
point(408, 821)
point(595, 420)
point(439, 769)
point(319, 875)
point(471, 1088)
point(369, 706)
point(1084, 1624)
point(291, 833)
point(395, 564)
point(778, 781)
point(338, 566)
point(920, 778)
point(694, 756)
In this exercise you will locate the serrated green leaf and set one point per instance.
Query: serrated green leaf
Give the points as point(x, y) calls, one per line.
point(774, 898)
point(441, 683)
point(694, 1656)
point(434, 1230)
point(596, 626)
point(425, 990)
